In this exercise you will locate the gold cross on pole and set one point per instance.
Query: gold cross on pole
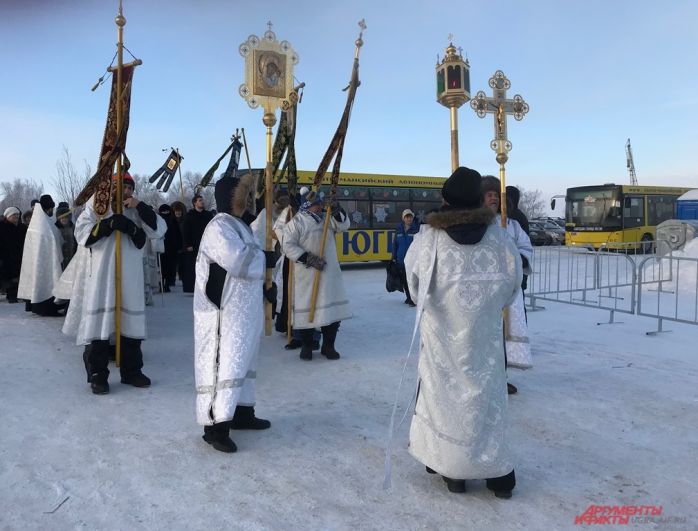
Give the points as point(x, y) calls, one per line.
point(499, 106)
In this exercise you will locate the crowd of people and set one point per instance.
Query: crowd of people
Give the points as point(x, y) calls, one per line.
point(460, 267)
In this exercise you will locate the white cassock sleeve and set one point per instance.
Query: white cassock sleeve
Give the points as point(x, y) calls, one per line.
point(222, 244)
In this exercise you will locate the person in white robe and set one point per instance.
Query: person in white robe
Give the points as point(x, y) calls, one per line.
point(229, 320)
point(463, 270)
point(41, 260)
point(302, 239)
point(96, 325)
point(518, 347)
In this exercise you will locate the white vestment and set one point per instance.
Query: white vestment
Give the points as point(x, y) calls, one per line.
point(459, 427)
point(151, 270)
point(518, 344)
point(96, 308)
point(304, 234)
point(41, 259)
point(227, 340)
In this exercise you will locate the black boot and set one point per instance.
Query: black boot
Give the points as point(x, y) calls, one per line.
point(455, 485)
point(307, 344)
point(99, 384)
point(132, 363)
point(511, 389)
point(329, 334)
point(293, 344)
point(503, 485)
point(96, 362)
point(218, 436)
point(244, 419)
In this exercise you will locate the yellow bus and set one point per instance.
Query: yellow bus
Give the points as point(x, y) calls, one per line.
point(618, 215)
point(374, 203)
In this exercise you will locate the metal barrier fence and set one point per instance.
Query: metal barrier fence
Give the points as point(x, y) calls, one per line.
point(675, 299)
point(664, 288)
point(581, 277)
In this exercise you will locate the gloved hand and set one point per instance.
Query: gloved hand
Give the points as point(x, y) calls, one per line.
point(101, 229)
point(318, 262)
point(270, 293)
point(334, 205)
point(123, 224)
point(270, 257)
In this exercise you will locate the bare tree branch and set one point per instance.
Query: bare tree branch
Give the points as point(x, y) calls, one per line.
point(67, 182)
point(19, 193)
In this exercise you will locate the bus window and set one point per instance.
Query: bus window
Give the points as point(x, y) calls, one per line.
point(422, 208)
point(359, 213)
point(352, 192)
point(660, 208)
point(390, 194)
point(387, 214)
point(633, 212)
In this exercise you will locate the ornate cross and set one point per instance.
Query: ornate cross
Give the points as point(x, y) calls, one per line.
point(499, 106)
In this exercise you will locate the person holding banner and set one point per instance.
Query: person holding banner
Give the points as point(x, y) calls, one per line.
point(96, 326)
point(301, 243)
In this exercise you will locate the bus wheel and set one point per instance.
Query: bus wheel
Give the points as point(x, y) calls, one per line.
point(646, 244)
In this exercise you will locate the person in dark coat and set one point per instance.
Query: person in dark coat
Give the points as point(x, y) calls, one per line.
point(64, 222)
point(173, 245)
point(194, 225)
point(514, 212)
point(404, 234)
point(12, 235)
point(179, 211)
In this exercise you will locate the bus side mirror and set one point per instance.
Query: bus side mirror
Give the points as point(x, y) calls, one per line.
point(552, 204)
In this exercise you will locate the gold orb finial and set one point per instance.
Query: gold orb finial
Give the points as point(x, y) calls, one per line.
point(269, 119)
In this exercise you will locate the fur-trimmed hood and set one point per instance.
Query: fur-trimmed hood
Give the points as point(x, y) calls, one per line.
point(242, 196)
point(465, 227)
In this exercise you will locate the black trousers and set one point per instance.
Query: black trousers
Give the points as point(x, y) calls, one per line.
point(282, 315)
point(403, 281)
point(188, 271)
point(96, 357)
point(168, 265)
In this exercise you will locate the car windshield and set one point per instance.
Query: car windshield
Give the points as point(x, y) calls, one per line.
point(594, 208)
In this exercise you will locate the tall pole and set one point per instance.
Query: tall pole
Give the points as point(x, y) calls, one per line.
point(454, 138)
point(453, 90)
point(120, 23)
point(269, 119)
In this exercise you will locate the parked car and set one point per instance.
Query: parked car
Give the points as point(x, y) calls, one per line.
point(547, 232)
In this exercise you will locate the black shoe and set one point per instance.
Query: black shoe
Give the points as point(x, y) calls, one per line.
point(217, 436)
point(306, 353)
point(12, 300)
point(503, 494)
point(455, 485)
point(136, 379)
point(294, 344)
point(329, 352)
point(244, 419)
point(99, 384)
point(511, 389)
point(431, 471)
point(411, 304)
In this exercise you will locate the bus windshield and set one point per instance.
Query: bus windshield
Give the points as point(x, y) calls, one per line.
point(594, 208)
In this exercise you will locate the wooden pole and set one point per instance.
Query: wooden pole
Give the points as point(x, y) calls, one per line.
point(316, 279)
point(269, 120)
point(120, 23)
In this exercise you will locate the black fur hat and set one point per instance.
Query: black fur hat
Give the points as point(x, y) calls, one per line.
point(462, 188)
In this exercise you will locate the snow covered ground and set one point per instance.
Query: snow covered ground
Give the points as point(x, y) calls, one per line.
point(608, 416)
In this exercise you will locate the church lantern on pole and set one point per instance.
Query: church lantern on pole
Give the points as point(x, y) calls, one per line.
point(453, 90)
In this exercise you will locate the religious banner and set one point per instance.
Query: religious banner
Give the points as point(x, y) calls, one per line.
point(112, 146)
